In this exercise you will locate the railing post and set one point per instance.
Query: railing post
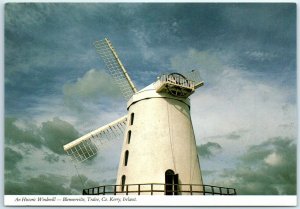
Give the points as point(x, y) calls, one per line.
point(228, 191)
point(213, 191)
point(220, 188)
point(115, 189)
point(84, 192)
point(139, 189)
point(104, 190)
point(151, 189)
point(191, 189)
point(127, 189)
point(203, 189)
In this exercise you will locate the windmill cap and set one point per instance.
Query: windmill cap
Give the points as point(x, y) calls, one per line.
point(150, 92)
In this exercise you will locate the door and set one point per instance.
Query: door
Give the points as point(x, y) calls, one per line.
point(171, 183)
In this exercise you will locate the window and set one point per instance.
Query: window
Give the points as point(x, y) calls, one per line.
point(126, 158)
point(171, 181)
point(128, 137)
point(123, 182)
point(131, 118)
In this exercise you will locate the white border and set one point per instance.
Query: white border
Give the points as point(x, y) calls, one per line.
point(10, 200)
point(118, 200)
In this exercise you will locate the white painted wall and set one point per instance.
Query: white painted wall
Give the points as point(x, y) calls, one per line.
point(162, 138)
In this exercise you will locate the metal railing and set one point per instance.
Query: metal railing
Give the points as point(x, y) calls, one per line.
point(180, 81)
point(159, 189)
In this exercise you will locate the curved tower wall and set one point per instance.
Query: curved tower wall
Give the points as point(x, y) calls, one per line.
point(161, 138)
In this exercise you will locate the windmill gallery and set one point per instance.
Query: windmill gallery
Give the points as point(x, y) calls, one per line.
point(159, 155)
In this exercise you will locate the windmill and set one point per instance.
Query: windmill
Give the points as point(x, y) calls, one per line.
point(159, 153)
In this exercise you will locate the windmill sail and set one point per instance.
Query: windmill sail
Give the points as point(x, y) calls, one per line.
point(88, 145)
point(115, 68)
point(194, 75)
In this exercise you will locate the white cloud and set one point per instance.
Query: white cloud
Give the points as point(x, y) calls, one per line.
point(273, 159)
point(260, 55)
point(239, 103)
point(208, 63)
point(91, 86)
point(234, 101)
point(142, 40)
point(231, 101)
point(92, 101)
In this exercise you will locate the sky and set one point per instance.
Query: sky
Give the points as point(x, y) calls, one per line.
point(57, 89)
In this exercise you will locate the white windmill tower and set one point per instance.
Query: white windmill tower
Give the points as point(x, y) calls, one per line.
point(159, 153)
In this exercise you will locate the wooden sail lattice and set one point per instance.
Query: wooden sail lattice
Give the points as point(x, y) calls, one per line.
point(194, 75)
point(88, 145)
point(115, 67)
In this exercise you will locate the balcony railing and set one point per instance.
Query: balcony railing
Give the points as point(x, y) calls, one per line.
point(177, 80)
point(159, 189)
point(175, 84)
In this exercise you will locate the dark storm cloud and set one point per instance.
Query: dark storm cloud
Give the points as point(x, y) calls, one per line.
point(49, 184)
point(79, 182)
point(266, 169)
point(209, 149)
point(15, 135)
point(11, 158)
point(52, 134)
point(235, 135)
point(58, 133)
point(41, 185)
point(51, 158)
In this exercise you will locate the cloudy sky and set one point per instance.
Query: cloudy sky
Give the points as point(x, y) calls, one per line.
point(56, 88)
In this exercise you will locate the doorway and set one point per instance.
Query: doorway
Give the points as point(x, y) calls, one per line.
point(171, 183)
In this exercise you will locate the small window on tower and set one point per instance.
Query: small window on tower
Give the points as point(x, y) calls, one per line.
point(123, 182)
point(126, 158)
point(128, 137)
point(131, 118)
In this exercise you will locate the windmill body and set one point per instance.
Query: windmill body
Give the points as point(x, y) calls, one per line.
point(159, 154)
point(159, 138)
